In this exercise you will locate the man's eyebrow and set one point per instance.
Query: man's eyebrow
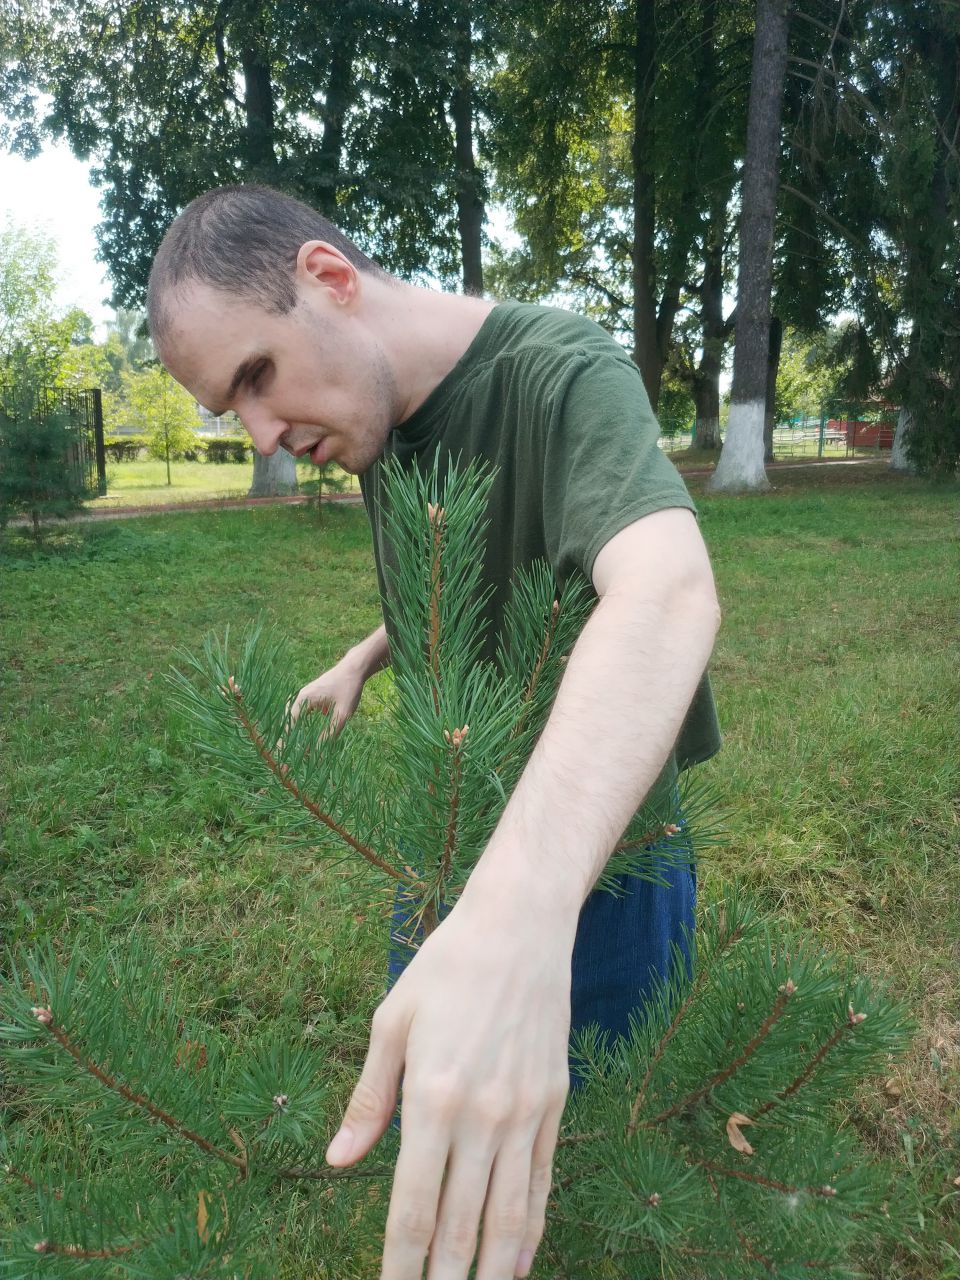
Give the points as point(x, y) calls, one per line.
point(241, 371)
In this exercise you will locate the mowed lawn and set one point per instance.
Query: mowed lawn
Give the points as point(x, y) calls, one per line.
point(837, 677)
point(143, 482)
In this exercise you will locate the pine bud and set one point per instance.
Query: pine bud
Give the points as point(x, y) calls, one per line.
point(653, 1199)
point(671, 829)
point(854, 1018)
point(828, 1191)
point(42, 1246)
point(789, 987)
point(280, 1101)
point(43, 1015)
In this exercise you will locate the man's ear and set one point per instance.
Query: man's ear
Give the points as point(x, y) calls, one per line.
point(319, 264)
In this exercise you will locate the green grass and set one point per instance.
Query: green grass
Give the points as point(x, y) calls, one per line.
point(144, 482)
point(836, 674)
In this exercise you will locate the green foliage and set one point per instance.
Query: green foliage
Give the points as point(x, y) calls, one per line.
point(163, 411)
point(38, 472)
point(142, 1130)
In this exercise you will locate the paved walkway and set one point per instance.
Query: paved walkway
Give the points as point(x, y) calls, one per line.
point(354, 499)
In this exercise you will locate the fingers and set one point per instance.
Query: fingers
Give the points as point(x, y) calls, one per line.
point(455, 1239)
point(505, 1224)
point(374, 1099)
point(541, 1178)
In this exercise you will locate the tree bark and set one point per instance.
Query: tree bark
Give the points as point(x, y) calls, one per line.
point(899, 457)
point(706, 379)
point(645, 353)
point(773, 368)
point(741, 459)
point(273, 476)
point(336, 104)
point(470, 208)
point(261, 161)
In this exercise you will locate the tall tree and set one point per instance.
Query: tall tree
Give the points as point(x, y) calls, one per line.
point(600, 141)
point(741, 460)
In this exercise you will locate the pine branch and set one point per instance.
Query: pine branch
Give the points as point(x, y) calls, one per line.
point(456, 741)
point(826, 1192)
point(853, 1020)
point(734, 936)
point(46, 1019)
point(282, 774)
point(436, 517)
point(77, 1251)
point(772, 1018)
point(648, 837)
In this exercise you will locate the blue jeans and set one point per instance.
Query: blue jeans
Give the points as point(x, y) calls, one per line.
point(623, 943)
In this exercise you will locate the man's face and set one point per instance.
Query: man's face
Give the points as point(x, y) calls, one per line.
point(314, 381)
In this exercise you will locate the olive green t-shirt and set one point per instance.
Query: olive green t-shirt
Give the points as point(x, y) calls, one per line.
point(560, 410)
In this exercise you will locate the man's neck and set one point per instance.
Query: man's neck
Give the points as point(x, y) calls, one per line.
point(424, 334)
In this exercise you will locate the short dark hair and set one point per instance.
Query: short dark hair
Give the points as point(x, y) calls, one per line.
point(244, 240)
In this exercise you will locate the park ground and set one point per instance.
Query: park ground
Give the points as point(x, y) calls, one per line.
point(836, 674)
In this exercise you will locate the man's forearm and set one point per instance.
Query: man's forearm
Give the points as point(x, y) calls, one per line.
point(628, 684)
point(370, 655)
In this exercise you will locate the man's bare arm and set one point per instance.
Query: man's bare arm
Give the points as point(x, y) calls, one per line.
point(478, 1023)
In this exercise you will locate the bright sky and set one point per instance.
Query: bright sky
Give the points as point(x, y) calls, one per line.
point(53, 193)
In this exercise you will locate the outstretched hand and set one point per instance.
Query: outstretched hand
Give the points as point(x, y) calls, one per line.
point(478, 1026)
point(336, 692)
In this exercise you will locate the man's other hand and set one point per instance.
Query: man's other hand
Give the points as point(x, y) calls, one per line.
point(478, 1025)
point(336, 693)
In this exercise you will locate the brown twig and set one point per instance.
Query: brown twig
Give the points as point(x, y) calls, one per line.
point(801, 1079)
point(648, 837)
point(772, 1018)
point(46, 1019)
point(435, 516)
point(77, 1251)
point(744, 1175)
point(456, 741)
point(734, 936)
point(283, 776)
point(332, 1175)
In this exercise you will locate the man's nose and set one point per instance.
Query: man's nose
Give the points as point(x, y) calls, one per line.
point(265, 430)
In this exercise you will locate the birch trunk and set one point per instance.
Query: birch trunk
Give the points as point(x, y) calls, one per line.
point(273, 476)
point(741, 459)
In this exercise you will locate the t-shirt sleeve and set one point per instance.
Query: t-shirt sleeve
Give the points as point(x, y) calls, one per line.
point(602, 466)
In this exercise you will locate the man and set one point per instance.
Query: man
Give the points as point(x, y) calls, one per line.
point(259, 305)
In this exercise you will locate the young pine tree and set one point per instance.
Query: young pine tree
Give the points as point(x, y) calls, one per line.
point(38, 475)
point(708, 1143)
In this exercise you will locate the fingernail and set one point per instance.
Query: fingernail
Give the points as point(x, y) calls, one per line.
point(524, 1263)
point(340, 1147)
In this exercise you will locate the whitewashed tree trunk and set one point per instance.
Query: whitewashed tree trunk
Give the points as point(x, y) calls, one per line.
point(741, 459)
point(899, 458)
point(273, 476)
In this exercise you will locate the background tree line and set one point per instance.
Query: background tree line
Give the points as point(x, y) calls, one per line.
point(616, 136)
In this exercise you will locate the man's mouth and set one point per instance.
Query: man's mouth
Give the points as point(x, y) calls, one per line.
point(318, 454)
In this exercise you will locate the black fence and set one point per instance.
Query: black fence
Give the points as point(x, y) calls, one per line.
point(84, 410)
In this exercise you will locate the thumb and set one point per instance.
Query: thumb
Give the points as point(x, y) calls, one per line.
point(372, 1103)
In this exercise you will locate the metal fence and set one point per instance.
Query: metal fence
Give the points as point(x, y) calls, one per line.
point(834, 429)
point(84, 411)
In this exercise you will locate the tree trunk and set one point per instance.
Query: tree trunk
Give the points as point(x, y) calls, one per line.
point(773, 368)
point(899, 457)
point(333, 114)
point(741, 459)
point(645, 353)
point(706, 399)
point(706, 381)
point(261, 162)
point(274, 475)
point(469, 201)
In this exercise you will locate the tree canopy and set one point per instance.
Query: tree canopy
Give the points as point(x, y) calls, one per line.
point(614, 135)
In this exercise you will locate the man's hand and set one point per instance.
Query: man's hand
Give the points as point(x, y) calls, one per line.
point(478, 1024)
point(337, 692)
